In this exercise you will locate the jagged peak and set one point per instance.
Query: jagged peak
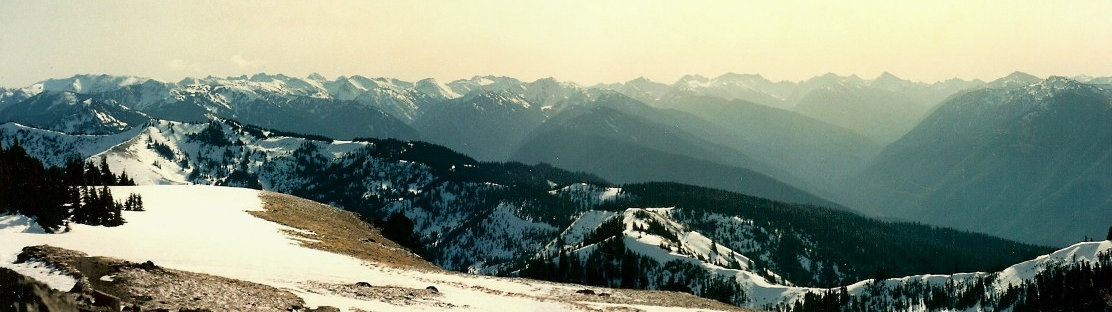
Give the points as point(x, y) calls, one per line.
point(552, 82)
point(86, 83)
point(1056, 83)
point(692, 77)
point(433, 87)
point(261, 77)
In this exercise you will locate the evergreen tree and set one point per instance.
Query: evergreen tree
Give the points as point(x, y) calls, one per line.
point(124, 180)
point(106, 176)
point(53, 209)
point(92, 175)
point(110, 209)
point(137, 203)
point(75, 172)
point(399, 228)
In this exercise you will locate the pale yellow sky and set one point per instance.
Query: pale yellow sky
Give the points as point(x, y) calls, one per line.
point(582, 41)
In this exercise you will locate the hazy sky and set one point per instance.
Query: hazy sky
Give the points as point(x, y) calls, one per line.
point(582, 41)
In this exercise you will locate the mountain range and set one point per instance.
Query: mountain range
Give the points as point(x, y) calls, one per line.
point(873, 146)
point(706, 186)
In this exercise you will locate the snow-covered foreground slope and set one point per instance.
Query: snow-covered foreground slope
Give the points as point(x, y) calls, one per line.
point(208, 229)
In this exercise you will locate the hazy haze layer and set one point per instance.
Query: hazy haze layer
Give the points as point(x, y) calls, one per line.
point(582, 41)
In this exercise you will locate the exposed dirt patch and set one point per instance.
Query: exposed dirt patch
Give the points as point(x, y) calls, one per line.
point(335, 230)
point(399, 296)
point(645, 298)
point(150, 287)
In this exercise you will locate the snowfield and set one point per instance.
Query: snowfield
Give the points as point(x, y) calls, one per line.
point(207, 229)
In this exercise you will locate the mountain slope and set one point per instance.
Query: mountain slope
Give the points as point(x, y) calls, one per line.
point(486, 125)
point(292, 259)
point(73, 113)
point(1074, 278)
point(623, 162)
point(812, 151)
point(497, 218)
point(1004, 161)
point(626, 141)
point(881, 115)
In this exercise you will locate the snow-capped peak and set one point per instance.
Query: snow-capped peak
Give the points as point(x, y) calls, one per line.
point(435, 89)
point(86, 84)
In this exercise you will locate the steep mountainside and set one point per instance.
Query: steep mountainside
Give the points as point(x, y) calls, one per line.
point(73, 113)
point(623, 148)
point(814, 152)
point(486, 125)
point(1004, 161)
point(881, 115)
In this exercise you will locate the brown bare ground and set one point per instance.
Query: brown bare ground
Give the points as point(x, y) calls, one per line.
point(335, 230)
point(149, 287)
point(647, 298)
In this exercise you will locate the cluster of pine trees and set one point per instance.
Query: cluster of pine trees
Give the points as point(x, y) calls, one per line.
point(55, 196)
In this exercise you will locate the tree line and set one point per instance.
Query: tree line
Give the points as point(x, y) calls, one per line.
point(54, 196)
point(1060, 286)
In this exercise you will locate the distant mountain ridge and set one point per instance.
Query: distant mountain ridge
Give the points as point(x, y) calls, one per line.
point(1004, 160)
point(486, 117)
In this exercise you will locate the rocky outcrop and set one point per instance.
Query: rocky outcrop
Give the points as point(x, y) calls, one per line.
point(21, 293)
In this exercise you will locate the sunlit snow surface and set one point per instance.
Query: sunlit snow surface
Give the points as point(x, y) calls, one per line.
point(207, 229)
